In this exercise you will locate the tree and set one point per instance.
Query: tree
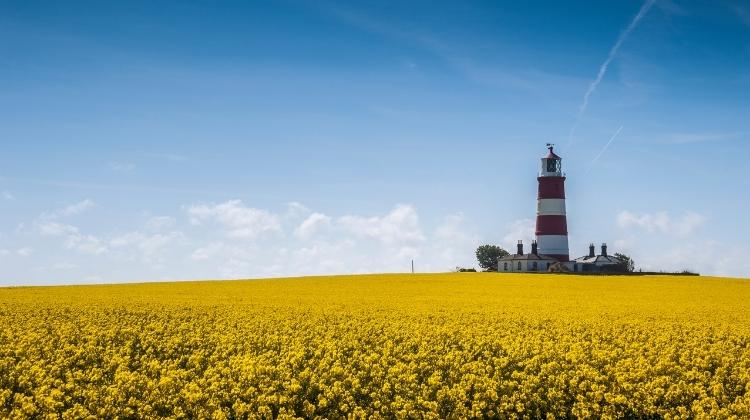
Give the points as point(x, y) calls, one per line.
point(487, 255)
point(625, 263)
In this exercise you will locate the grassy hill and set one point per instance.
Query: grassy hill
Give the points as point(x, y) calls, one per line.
point(403, 345)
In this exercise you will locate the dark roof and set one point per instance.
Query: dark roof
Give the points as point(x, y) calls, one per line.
point(552, 155)
point(598, 259)
point(517, 257)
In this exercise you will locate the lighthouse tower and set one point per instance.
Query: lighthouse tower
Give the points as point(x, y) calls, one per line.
point(551, 223)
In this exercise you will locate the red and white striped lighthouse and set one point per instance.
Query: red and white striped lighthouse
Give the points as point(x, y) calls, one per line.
point(551, 223)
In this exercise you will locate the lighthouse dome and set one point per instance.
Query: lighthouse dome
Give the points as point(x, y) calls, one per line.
point(551, 164)
point(551, 154)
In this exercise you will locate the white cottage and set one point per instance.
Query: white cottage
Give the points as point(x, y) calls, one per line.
point(593, 262)
point(519, 261)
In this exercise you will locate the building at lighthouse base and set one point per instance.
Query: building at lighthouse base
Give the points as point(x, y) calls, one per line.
point(520, 262)
point(598, 263)
point(536, 262)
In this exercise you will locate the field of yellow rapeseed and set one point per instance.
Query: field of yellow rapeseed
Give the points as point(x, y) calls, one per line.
point(403, 346)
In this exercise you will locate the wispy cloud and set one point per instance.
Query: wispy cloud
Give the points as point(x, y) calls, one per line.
point(25, 251)
point(661, 222)
point(241, 221)
point(311, 225)
point(121, 166)
point(687, 138)
point(606, 146)
point(531, 81)
point(76, 208)
point(8, 196)
point(521, 229)
point(48, 224)
point(612, 53)
point(167, 156)
point(401, 225)
point(605, 65)
point(743, 14)
point(106, 187)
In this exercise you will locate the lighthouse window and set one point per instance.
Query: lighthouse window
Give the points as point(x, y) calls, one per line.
point(551, 165)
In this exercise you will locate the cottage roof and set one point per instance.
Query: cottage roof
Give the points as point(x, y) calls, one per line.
point(607, 259)
point(522, 257)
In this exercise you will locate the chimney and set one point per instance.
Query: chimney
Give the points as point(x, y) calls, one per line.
point(533, 248)
point(520, 248)
point(592, 250)
point(604, 250)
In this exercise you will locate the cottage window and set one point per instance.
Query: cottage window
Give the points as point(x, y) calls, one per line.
point(505, 266)
point(534, 266)
point(519, 266)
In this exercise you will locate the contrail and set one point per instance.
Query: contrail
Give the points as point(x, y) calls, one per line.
point(604, 149)
point(603, 68)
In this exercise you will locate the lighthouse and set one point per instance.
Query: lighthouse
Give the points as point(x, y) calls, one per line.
point(551, 222)
point(549, 252)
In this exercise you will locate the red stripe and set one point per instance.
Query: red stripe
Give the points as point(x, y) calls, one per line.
point(551, 187)
point(560, 257)
point(551, 225)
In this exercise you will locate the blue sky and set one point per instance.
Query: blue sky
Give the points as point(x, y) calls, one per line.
point(180, 140)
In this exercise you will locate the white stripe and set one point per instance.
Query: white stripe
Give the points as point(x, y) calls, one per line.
point(550, 207)
point(552, 244)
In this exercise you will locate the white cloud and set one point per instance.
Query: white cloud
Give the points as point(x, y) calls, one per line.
point(240, 221)
point(8, 196)
point(687, 138)
point(121, 166)
point(328, 244)
point(661, 222)
point(348, 244)
point(295, 210)
point(208, 251)
point(75, 208)
point(147, 247)
point(54, 228)
point(352, 243)
point(521, 229)
point(243, 260)
point(743, 14)
point(48, 225)
point(660, 242)
point(25, 252)
point(87, 244)
point(708, 256)
point(160, 222)
point(168, 156)
point(64, 266)
point(452, 244)
point(314, 223)
point(625, 245)
point(326, 257)
point(401, 225)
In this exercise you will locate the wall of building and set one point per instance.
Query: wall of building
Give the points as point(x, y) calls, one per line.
point(526, 266)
